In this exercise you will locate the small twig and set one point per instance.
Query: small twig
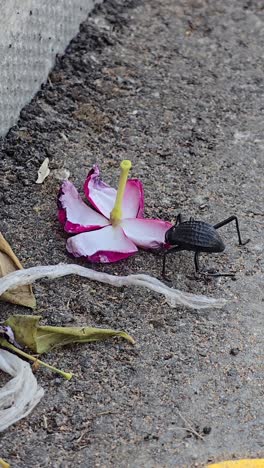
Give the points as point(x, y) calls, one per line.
point(86, 431)
point(45, 422)
point(104, 413)
point(190, 428)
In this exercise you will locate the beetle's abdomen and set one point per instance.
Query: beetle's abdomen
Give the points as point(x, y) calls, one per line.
point(196, 236)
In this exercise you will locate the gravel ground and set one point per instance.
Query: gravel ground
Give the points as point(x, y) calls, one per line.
point(177, 87)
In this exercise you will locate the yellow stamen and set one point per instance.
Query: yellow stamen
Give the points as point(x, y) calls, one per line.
point(116, 213)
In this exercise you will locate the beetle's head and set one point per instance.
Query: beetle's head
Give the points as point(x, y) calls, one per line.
point(169, 235)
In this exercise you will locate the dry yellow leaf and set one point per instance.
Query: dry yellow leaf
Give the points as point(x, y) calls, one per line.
point(3, 464)
point(22, 295)
point(249, 463)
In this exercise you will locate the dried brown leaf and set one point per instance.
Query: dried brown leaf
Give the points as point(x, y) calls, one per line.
point(21, 295)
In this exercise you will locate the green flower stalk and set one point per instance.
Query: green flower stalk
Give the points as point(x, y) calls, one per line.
point(5, 344)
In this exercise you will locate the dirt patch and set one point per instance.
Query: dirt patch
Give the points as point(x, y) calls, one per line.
point(177, 87)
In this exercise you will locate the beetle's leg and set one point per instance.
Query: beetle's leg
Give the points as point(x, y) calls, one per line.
point(229, 220)
point(216, 274)
point(206, 273)
point(178, 219)
point(196, 262)
point(178, 248)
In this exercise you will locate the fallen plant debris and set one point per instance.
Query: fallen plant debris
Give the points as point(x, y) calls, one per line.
point(43, 338)
point(43, 171)
point(173, 296)
point(20, 295)
point(21, 394)
point(245, 463)
point(3, 463)
point(25, 331)
point(61, 174)
point(6, 344)
point(117, 228)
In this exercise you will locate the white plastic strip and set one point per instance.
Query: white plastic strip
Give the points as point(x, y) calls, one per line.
point(173, 297)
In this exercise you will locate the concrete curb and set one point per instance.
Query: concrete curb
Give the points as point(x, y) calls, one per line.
point(32, 32)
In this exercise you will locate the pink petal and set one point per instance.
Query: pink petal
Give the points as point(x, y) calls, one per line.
point(103, 197)
point(104, 246)
point(75, 214)
point(99, 194)
point(133, 201)
point(146, 233)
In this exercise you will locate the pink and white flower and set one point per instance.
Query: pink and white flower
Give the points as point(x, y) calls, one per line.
point(117, 228)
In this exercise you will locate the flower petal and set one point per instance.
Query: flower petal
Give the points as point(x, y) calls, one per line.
point(104, 246)
point(99, 194)
point(133, 201)
point(103, 197)
point(146, 233)
point(75, 214)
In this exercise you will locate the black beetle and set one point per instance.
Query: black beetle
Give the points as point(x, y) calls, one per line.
point(197, 236)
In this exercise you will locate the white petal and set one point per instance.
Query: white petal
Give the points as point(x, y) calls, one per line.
point(105, 245)
point(98, 193)
point(103, 197)
point(146, 233)
point(78, 216)
point(133, 201)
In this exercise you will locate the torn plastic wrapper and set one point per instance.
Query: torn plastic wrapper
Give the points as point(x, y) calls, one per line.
point(21, 394)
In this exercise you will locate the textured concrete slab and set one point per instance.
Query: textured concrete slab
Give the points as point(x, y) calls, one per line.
point(31, 34)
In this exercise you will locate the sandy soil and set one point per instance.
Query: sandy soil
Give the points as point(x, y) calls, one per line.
point(177, 87)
